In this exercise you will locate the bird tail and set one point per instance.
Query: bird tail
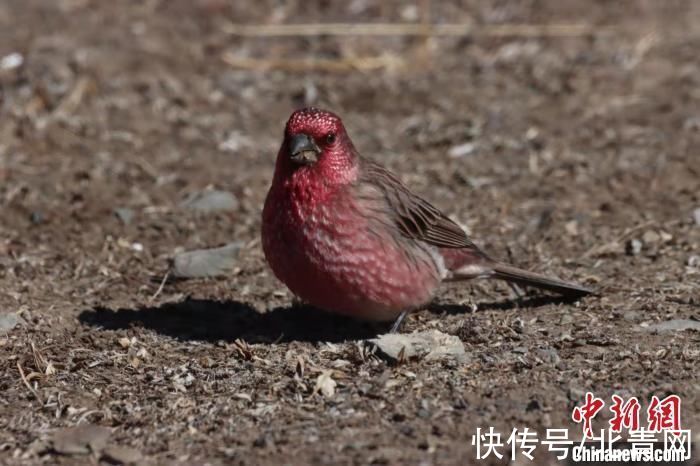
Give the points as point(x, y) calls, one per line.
point(527, 278)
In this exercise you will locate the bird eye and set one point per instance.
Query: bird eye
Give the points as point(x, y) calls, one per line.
point(330, 138)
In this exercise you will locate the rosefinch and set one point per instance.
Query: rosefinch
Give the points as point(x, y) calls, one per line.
point(345, 235)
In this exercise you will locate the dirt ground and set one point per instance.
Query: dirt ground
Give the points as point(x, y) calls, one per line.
point(576, 156)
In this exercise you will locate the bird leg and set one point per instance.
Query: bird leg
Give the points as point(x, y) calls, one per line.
point(399, 320)
point(519, 294)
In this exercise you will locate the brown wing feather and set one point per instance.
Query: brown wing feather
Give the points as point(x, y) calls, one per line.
point(416, 218)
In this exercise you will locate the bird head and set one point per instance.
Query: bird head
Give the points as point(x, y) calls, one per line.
point(315, 142)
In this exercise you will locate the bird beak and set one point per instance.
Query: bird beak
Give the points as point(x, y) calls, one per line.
point(303, 150)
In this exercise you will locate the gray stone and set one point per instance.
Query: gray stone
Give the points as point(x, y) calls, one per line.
point(674, 325)
point(81, 440)
point(124, 214)
point(650, 237)
point(121, 455)
point(9, 321)
point(37, 218)
point(210, 200)
point(206, 262)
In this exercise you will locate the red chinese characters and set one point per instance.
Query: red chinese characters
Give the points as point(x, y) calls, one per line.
point(625, 414)
point(587, 412)
point(664, 414)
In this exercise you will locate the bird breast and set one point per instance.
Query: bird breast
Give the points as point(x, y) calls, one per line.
point(336, 252)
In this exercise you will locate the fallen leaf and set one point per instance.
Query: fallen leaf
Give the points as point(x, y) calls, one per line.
point(325, 384)
point(431, 344)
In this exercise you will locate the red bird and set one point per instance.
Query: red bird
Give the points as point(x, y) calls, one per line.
point(345, 235)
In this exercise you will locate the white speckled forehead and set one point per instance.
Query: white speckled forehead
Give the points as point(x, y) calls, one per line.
point(312, 118)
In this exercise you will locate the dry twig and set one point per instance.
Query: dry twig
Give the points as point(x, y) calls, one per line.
point(411, 29)
point(160, 288)
point(27, 384)
point(319, 64)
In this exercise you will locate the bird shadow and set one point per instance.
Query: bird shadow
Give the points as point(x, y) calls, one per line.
point(209, 320)
point(529, 302)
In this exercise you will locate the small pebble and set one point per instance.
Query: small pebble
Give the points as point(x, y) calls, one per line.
point(11, 61)
point(633, 247)
point(461, 150)
point(124, 214)
point(36, 217)
point(696, 216)
point(650, 237)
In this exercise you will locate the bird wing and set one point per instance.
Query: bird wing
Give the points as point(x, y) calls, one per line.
point(415, 217)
